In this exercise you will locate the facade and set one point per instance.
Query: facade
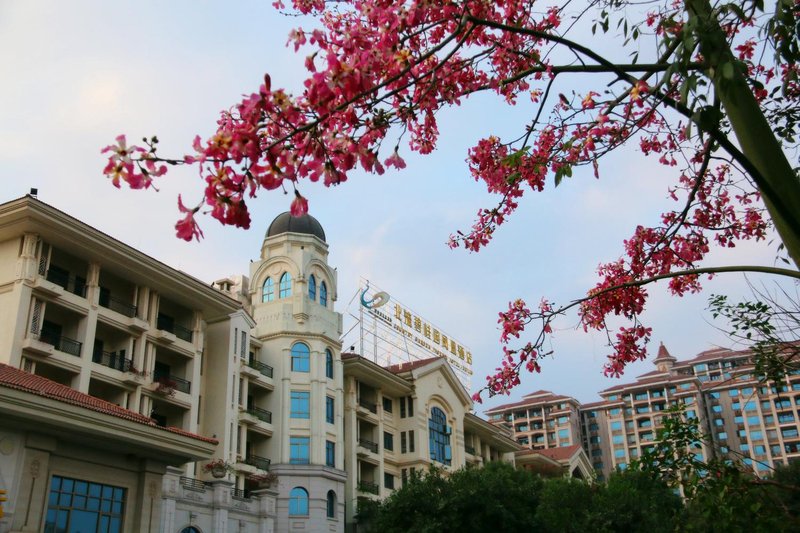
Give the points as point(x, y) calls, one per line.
point(246, 372)
point(753, 422)
point(404, 418)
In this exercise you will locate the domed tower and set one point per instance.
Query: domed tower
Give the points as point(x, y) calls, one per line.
point(297, 333)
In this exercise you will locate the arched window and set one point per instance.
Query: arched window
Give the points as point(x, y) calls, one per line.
point(286, 286)
point(331, 504)
point(439, 437)
point(328, 364)
point(298, 502)
point(312, 288)
point(301, 358)
point(268, 290)
point(323, 294)
point(190, 529)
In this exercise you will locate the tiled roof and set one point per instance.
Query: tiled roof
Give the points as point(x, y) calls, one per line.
point(663, 353)
point(14, 378)
point(536, 398)
point(561, 453)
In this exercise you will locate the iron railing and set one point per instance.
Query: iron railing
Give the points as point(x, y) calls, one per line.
point(469, 449)
point(264, 368)
point(368, 486)
point(73, 284)
point(114, 360)
point(174, 382)
point(61, 343)
point(368, 444)
point(262, 463)
point(240, 494)
point(166, 323)
point(261, 414)
point(115, 304)
point(193, 484)
point(373, 408)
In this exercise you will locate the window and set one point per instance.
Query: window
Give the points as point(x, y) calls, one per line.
point(387, 404)
point(329, 410)
point(268, 290)
point(298, 451)
point(388, 481)
point(77, 505)
point(733, 393)
point(619, 454)
point(616, 426)
point(563, 433)
point(406, 406)
point(388, 441)
point(439, 437)
point(323, 294)
point(330, 453)
point(301, 358)
point(285, 289)
point(618, 439)
point(331, 504)
point(403, 444)
point(410, 406)
point(411, 441)
point(300, 401)
point(298, 502)
point(312, 288)
point(328, 364)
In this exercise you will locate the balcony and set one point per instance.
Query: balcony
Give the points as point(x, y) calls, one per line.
point(262, 463)
point(74, 284)
point(469, 449)
point(61, 343)
point(240, 494)
point(263, 368)
point(369, 406)
point(261, 414)
point(193, 484)
point(168, 381)
point(167, 323)
point(369, 445)
point(369, 487)
point(115, 304)
point(114, 360)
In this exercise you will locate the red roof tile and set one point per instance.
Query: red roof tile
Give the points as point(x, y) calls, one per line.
point(411, 365)
point(14, 378)
point(561, 453)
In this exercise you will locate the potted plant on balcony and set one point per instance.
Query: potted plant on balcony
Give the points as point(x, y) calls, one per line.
point(166, 386)
point(218, 468)
point(264, 481)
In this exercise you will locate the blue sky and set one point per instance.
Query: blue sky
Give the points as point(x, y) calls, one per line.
point(77, 74)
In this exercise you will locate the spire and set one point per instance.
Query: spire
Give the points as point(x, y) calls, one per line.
point(664, 360)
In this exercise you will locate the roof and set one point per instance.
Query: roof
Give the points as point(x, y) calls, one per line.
point(535, 398)
point(411, 365)
point(561, 453)
point(14, 378)
point(286, 223)
point(663, 354)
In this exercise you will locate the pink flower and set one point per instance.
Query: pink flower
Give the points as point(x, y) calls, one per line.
point(299, 205)
point(395, 161)
point(187, 228)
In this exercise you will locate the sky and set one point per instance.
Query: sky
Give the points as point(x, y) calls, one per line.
point(77, 74)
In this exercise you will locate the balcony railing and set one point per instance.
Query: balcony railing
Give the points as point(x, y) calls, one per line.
point(61, 343)
point(264, 368)
point(69, 283)
point(166, 323)
point(240, 494)
point(193, 484)
point(368, 405)
point(261, 414)
point(262, 463)
point(173, 382)
point(114, 360)
point(469, 449)
point(368, 444)
point(368, 486)
point(115, 304)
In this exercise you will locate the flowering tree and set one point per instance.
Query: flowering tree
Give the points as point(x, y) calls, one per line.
point(716, 101)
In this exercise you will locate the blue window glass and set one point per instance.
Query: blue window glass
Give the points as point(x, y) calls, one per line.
point(753, 421)
point(691, 414)
point(716, 408)
point(718, 422)
point(616, 425)
point(733, 393)
point(323, 294)
point(298, 450)
point(301, 358)
point(329, 410)
point(563, 433)
point(285, 288)
point(330, 453)
point(747, 391)
point(618, 439)
point(640, 396)
point(750, 406)
point(298, 502)
point(722, 435)
point(619, 454)
point(268, 290)
point(331, 504)
point(614, 412)
point(714, 395)
point(760, 449)
point(312, 288)
point(439, 437)
point(300, 404)
point(76, 505)
point(328, 364)
point(789, 432)
point(786, 417)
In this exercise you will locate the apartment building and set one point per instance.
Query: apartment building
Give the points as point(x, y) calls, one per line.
point(748, 420)
point(246, 372)
point(404, 418)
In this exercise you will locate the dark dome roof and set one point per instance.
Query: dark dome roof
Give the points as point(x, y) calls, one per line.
point(286, 223)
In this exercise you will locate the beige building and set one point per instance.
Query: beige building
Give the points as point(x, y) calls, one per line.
point(253, 363)
point(405, 418)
